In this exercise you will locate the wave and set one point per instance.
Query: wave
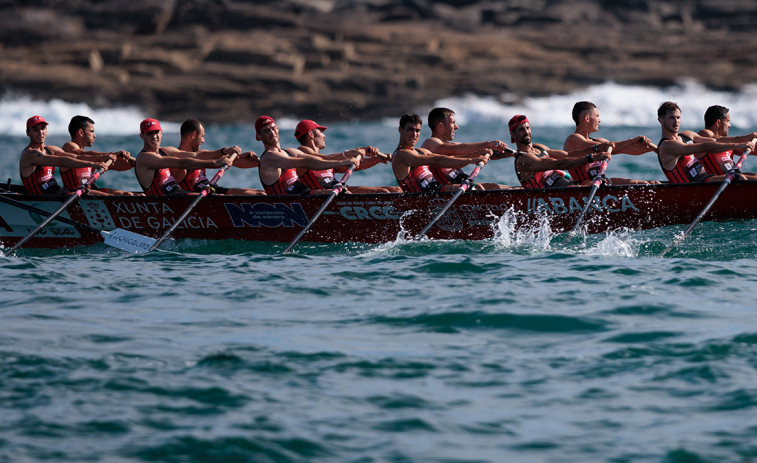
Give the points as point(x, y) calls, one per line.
point(619, 105)
point(108, 121)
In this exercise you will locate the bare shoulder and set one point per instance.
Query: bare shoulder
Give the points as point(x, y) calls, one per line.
point(432, 143)
point(70, 146)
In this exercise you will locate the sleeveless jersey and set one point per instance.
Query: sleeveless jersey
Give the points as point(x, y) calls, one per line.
point(195, 180)
point(586, 172)
point(74, 178)
point(717, 163)
point(163, 183)
point(546, 179)
point(319, 179)
point(288, 182)
point(42, 180)
point(448, 175)
point(688, 169)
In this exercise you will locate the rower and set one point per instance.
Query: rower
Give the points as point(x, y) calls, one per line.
point(411, 165)
point(679, 153)
point(153, 164)
point(586, 116)
point(538, 166)
point(312, 139)
point(717, 122)
point(82, 131)
point(443, 125)
point(192, 137)
point(278, 167)
point(38, 161)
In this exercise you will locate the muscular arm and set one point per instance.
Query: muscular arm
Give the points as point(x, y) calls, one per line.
point(31, 158)
point(531, 163)
point(435, 145)
point(671, 150)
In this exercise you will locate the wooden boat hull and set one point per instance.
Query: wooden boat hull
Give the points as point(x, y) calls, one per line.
point(376, 218)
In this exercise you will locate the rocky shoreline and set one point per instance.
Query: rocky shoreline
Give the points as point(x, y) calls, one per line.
point(226, 61)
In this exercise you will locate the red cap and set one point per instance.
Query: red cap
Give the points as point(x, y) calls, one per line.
point(263, 121)
point(305, 126)
point(35, 120)
point(517, 120)
point(149, 125)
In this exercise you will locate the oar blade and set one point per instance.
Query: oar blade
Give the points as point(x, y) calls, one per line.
point(128, 241)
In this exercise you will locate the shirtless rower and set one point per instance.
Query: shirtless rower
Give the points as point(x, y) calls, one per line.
point(411, 165)
point(717, 122)
point(312, 139)
point(586, 116)
point(153, 164)
point(192, 137)
point(679, 152)
point(38, 161)
point(82, 131)
point(278, 167)
point(443, 125)
point(538, 166)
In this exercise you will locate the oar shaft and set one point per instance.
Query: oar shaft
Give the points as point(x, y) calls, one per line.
point(337, 189)
point(463, 187)
point(77, 194)
point(728, 179)
point(183, 216)
point(594, 187)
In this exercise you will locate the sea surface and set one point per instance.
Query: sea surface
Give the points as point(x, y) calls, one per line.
point(523, 348)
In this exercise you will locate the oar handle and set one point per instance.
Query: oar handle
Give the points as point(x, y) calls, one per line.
point(222, 171)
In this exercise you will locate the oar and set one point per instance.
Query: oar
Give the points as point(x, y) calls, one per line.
point(118, 238)
point(337, 189)
point(74, 197)
point(199, 197)
point(728, 178)
point(595, 186)
point(463, 187)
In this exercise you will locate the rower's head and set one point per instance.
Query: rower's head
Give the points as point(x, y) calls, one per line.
point(192, 134)
point(442, 123)
point(151, 133)
point(307, 130)
point(669, 116)
point(410, 129)
point(266, 130)
point(520, 129)
point(36, 129)
point(82, 131)
point(586, 112)
point(717, 119)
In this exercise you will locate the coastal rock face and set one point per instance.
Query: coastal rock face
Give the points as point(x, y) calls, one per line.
point(226, 61)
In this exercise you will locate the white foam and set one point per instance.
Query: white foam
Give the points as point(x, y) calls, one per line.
point(110, 121)
point(619, 105)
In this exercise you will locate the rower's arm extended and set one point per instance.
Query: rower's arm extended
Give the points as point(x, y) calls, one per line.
point(436, 145)
point(154, 161)
point(529, 162)
point(32, 157)
point(413, 159)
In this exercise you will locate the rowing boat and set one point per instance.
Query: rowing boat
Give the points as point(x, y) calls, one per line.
point(372, 218)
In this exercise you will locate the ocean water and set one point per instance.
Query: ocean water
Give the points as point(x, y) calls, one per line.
point(523, 348)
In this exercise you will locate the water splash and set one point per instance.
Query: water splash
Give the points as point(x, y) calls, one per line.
point(512, 231)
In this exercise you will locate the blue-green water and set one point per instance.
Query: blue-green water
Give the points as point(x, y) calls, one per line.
point(519, 348)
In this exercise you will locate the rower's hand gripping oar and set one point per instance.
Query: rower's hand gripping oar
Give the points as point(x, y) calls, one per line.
point(467, 183)
point(337, 189)
point(199, 198)
point(598, 179)
point(73, 198)
point(728, 179)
